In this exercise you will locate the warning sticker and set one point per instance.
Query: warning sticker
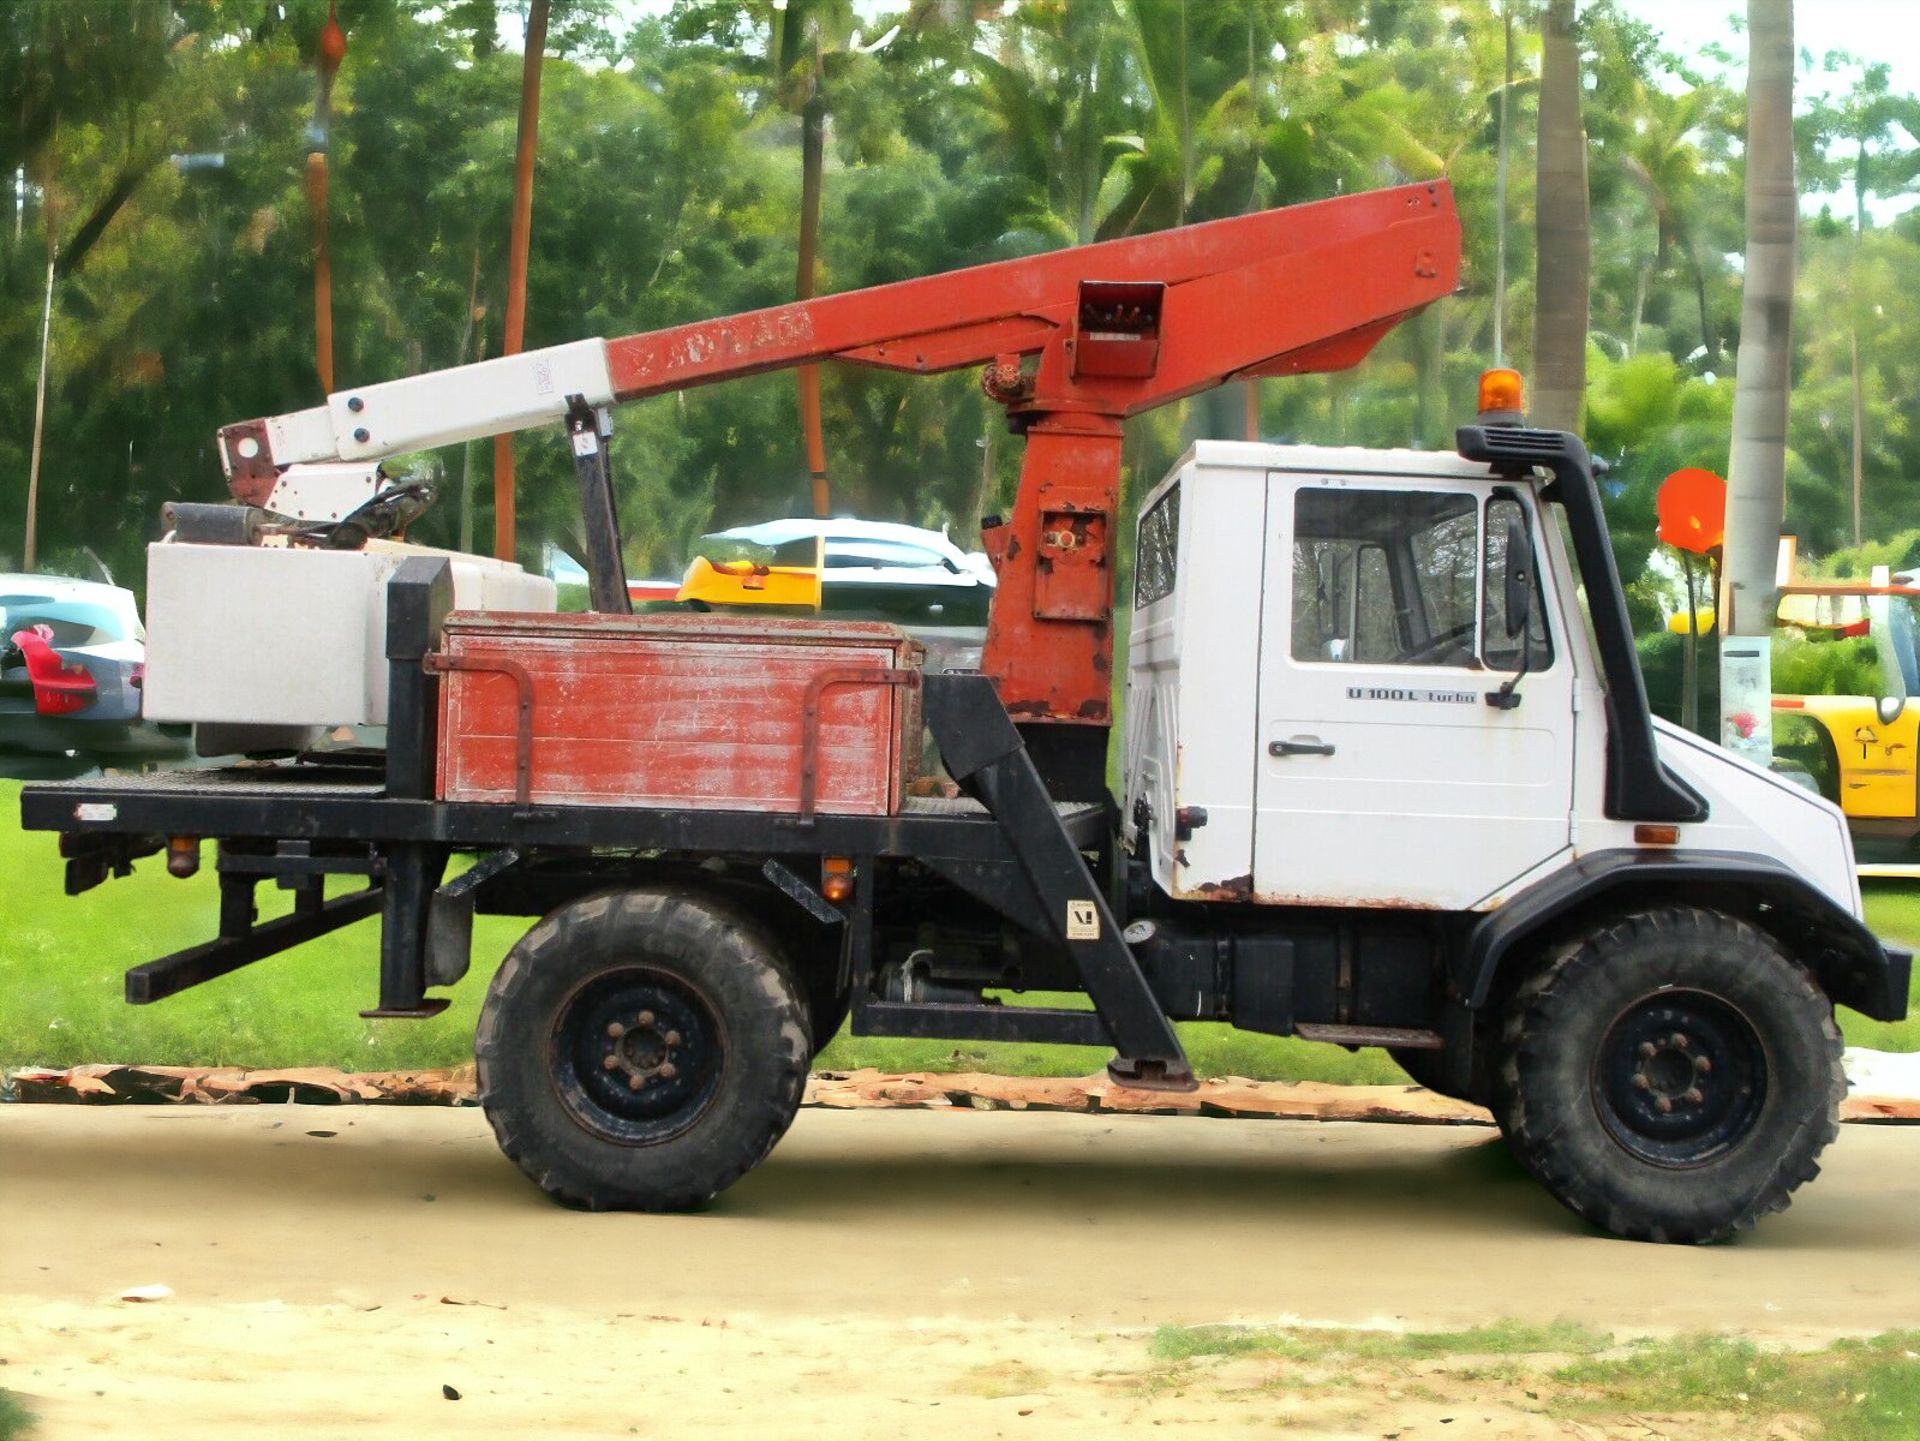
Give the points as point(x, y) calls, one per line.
point(1083, 921)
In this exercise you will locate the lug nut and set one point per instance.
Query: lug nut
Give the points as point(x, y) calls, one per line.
point(1680, 1041)
point(610, 1063)
point(1648, 1050)
point(667, 1071)
point(1641, 1083)
point(634, 1083)
point(646, 1018)
point(1694, 1097)
point(615, 1030)
point(673, 1038)
point(1663, 1105)
point(1702, 1065)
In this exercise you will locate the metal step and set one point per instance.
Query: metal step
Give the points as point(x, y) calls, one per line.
point(1409, 1037)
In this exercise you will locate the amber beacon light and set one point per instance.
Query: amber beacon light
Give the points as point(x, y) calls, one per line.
point(1503, 397)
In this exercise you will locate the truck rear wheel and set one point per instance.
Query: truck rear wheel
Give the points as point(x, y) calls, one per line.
point(642, 1050)
point(1671, 1076)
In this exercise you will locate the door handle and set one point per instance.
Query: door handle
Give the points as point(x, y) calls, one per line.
point(1299, 747)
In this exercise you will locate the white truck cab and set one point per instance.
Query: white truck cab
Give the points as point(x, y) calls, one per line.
point(1389, 756)
point(1330, 701)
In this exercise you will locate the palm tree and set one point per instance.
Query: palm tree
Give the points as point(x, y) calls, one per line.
point(1562, 256)
point(1666, 165)
point(519, 240)
point(1866, 119)
point(1756, 475)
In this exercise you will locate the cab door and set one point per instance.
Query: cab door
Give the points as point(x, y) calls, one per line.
point(1386, 774)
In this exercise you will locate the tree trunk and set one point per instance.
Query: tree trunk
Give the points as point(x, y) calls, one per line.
point(1756, 474)
point(322, 271)
point(1186, 124)
point(1853, 327)
point(1562, 256)
point(969, 538)
point(95, 225)
point(30, 548)
point(1500, 202)
point(813, 146)
point(1642, 278)
point(519, 240)
point(1708, 339)
point(1859, 425)
point(1431, 413)
point(467, 336)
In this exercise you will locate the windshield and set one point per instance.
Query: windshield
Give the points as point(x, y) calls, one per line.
point(1848, 644)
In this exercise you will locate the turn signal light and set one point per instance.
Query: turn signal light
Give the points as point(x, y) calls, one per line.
point(183, 856)
point(1648, 835)
point(1503, 396)
point(836, 878)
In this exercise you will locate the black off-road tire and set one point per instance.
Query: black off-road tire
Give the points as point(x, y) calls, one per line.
point(721, 1057)
point(1686, 1006)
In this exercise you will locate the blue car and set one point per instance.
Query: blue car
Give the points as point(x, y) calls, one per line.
point(72, 658)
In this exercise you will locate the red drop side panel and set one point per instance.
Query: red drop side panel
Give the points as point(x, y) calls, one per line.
point(702, 711)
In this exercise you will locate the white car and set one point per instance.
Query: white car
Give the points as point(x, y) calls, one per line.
point(879, 570)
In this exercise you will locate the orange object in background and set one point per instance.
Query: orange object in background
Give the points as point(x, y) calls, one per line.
point(1503, 394)
point(1692, 506)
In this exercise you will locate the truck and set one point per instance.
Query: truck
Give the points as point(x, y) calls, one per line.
point(1390, 777)
point(1855, 738)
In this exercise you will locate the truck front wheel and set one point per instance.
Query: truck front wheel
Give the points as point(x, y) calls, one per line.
point(1670, 1075)
point(642, 1050)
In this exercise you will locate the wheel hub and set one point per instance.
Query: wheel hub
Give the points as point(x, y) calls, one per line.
point(637, 1055)
point(645, 1052)
point(1680, 1077)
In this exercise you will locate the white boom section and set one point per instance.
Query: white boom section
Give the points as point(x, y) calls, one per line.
point(468, 402)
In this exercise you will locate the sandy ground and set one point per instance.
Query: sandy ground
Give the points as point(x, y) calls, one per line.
point(886, 1273)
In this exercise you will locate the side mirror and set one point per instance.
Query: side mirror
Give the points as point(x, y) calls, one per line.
point(1519, 578)
point(1518, 594)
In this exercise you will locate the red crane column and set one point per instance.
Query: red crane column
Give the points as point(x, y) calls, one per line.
point(1050, 632)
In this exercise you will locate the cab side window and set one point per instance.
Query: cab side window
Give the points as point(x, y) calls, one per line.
point(1386, 577)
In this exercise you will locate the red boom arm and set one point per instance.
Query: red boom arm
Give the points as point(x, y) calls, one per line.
point(1119, 328)
point(1073, 342)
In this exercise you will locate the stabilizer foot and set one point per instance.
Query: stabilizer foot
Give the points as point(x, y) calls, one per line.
point(1138, 1075)
point(430, 1006)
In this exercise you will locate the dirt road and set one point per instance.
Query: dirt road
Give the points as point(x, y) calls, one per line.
point(884, 1273)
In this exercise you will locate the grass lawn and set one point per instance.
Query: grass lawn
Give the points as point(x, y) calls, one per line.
point(61, 959)
point(1696, 1385)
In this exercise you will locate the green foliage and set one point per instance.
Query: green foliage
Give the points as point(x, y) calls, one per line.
point(16, 1421)
point(1853, 1390)
point(1662, 667)
point(1857, 1390)
point(1502, 1338)
point(1807, 666)
point(667, 190)
point(1899, 552)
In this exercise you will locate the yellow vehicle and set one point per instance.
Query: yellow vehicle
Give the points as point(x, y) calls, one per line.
point(1859, 735)
point(710, 583)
